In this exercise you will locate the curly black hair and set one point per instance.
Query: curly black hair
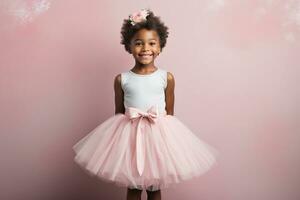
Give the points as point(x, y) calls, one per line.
point(152, 23)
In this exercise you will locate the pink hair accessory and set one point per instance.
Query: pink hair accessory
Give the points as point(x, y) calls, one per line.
point(138, 16)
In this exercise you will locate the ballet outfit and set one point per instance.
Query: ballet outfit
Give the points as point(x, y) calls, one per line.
point(144, 148)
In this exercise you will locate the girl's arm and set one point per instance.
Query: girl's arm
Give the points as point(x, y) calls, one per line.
point(169, 94)
point(119, 95)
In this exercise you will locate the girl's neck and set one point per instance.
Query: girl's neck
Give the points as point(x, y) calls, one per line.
point(144, 68)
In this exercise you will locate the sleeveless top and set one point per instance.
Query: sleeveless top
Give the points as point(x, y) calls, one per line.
point(144, 90)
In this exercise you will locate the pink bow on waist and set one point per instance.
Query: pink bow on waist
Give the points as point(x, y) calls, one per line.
point(135, 113)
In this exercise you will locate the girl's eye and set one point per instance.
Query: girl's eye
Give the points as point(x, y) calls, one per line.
point(138, 44)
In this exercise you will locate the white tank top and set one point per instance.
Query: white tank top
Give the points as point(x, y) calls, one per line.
point(144, 90)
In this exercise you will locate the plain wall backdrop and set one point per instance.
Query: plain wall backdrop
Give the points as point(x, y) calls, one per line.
point(236, 66)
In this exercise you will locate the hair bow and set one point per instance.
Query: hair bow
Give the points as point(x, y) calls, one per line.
point(138, 16)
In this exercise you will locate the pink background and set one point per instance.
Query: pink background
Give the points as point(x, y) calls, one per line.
point(236, 66)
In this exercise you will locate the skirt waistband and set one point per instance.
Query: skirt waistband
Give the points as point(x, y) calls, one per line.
point(153, 111)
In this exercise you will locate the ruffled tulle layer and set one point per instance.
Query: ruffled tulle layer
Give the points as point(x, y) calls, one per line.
point(171, 152)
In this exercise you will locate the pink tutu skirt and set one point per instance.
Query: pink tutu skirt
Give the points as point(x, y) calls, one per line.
point(143, 150)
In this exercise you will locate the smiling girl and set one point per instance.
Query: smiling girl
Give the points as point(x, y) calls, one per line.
point(144, 146)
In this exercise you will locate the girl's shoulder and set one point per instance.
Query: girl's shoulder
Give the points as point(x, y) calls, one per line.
point(170, 76)
point(167, 72)
point(121, 78)
point(167, 76)
point(118, 77)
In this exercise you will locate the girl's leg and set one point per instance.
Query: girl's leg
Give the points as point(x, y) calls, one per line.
point(153, 195)
point(133, 194)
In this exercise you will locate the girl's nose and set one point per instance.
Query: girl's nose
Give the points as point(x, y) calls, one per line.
point(145, 47)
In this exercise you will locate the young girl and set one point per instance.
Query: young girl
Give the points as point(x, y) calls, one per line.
point(143, 146)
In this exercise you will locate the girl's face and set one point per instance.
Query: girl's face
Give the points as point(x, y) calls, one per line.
point(145, 46)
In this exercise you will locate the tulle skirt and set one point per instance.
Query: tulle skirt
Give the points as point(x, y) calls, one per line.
point(143, 152)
